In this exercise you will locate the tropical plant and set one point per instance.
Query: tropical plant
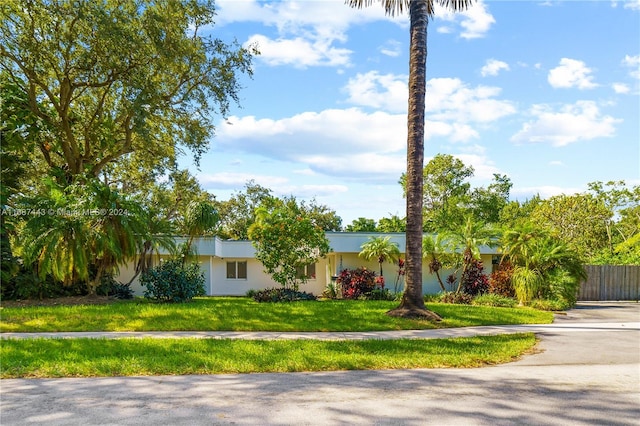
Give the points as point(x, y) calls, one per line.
point(433, 249)
point(356, 283)
point(286, 240)
point(171, 281)
point(412, 303)
point(201, 217)
point(381, 249)
point(543, 265)
point(468, 239)
point(80, 228)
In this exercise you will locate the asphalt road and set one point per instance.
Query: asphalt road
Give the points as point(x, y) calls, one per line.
point(586, 371)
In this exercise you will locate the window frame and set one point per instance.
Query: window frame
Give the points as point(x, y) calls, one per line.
point(237, 270)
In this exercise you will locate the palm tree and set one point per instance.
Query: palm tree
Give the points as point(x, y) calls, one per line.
point(468, 239)
point(381, 249)
point(542, 264)
point(433, 249)
point(200, 218)
point(412, 304)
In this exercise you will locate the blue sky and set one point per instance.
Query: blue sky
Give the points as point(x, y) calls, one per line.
point(547, 93)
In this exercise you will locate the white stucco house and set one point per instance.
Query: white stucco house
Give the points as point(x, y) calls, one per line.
point(231, 269)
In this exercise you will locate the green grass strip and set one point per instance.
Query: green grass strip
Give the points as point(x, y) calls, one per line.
point(40, 358)
point(243, 314)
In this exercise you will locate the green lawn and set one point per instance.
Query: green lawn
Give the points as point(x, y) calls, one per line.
point(243, 314)
point(38, 358)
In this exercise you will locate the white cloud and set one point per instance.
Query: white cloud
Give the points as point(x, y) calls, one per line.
point(620, 88)
point(391, 48)
point(475, 21)
point(573, 123)
point(493, 67)
point(447, 100)
point(299, 52)
point(632, 4)
point(556, 163)
point(571, 73)
point(382, 91)
point(634, 63)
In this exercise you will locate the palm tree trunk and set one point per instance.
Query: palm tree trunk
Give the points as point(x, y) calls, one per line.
point(412, 304)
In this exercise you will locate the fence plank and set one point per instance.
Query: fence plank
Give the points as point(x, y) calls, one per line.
point(611, 282)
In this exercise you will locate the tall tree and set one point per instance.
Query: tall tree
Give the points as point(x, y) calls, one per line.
point(116, 79)
point(412, 304)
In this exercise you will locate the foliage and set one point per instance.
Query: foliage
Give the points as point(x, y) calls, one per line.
point(549, 305)
point(285, 240)
point(201, 217)
point(26, 284)
point(494, 300)
point(392, 224)
point(381, 249)
point(542, 264)
point(238, 213)
point(330, 291)
point(379, 294)
point(474, 281)
point(83, 225)
point(500, 280)
point(454, 297)
point(109, 286)
point(356, 282)
point(119, 79)
point(578, 220)
point(281, 294)
point(361, 224)
point(173, 282)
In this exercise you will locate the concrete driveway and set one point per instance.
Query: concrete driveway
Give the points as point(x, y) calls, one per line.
point(586, 371)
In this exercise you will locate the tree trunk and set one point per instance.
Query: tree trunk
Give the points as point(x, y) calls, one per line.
point(412, 304)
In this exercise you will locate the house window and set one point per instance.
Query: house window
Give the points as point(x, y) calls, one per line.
point(237, 270)
point(308, 271)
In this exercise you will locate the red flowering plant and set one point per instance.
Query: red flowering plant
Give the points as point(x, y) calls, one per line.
point(379, 282)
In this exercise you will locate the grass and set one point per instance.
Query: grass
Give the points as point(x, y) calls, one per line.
point(243, 314)
point(39, 358)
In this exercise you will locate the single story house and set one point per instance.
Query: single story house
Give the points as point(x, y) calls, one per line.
point(231, 269)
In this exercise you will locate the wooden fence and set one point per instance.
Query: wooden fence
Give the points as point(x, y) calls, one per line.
point(608, 282)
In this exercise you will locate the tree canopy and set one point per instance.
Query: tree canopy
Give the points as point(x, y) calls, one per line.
point(116, 79)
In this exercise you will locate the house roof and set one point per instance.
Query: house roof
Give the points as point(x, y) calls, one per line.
point(340, 242)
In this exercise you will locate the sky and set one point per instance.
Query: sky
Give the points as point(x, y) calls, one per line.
point(545, 92)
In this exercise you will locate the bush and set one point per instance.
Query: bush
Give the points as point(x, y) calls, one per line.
point(494, 300)
point(330, 291)
point(378, 294)
point(549, 305)
point(561, 287)
point(110, 287)
point(474, 280)
point(281, 294)
point(357, 282)
point(172, 282)
point(500, 280)
point(453, 297)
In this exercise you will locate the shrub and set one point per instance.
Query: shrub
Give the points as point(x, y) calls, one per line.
point(172, 282)
point(494, 300)
point(562, 287)
point(379, 294)
point(110, 287)
point(453, 297)
point(549, 305)
point(474, 280)
point(280, 294)
point(356, 282)
point(330, 291)
point(500, 280)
